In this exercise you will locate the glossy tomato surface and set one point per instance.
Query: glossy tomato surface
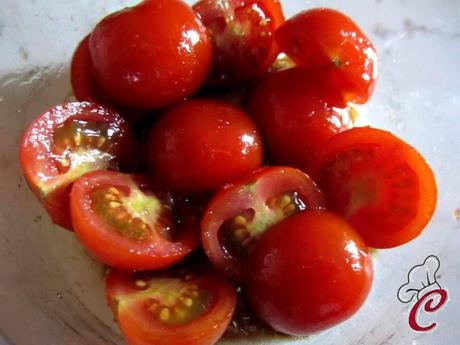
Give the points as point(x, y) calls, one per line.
point(66, 142)
point(199, 145)
point(86, 88)
point(243, 37)
point(325, 38)
point(379, 183)
point(84, 84)
point(296, 111)
point(173, 307)
point(308, 273)
point(242, 211)
point(129, 223)
point(151, 55)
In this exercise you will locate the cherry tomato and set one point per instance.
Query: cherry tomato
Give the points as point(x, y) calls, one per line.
point(326, 38)
point(84, 85)
point(241, 212)
point(66, 142)
point(199, 145)
point(129, 223)
point(174, 307)
point(308, 273)
point(243, 37)
point(379, 183)
point(296, 111)
point(151, 55)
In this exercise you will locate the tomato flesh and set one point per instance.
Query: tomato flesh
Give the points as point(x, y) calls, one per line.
point(66, 142)
point(129, 223)
point(325, 38)
point(241, 212)
point(172, 307)
point(308, 273)
point(242, 33)
point(379, 183)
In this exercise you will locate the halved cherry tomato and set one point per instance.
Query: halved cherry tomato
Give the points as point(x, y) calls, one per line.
point(379, 183)
point(199, 145)
point(173, 307)
point(308, 273)
point(66, 142)
point(129, 223)
point(240, 212)
point(151, 55)
point(325, 38)
point(296, 111)
point(243, 39)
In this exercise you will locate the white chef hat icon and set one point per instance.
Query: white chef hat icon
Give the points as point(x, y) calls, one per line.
point(420, 280)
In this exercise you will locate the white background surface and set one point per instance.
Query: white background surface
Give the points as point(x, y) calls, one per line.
point(51, 291)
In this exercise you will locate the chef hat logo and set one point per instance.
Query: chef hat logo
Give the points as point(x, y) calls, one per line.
point(420, 280)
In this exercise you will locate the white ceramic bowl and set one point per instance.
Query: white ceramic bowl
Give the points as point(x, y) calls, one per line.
point(51, 290)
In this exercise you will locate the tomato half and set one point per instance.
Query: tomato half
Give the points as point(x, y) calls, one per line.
point(308, 273)
point(241, 212)
point(151, 55)
point(199, 145)
point(379, 183)
point(66, 142)
point(175, 307)
point(243, 37)
point(297, 110)
point(328, 39)
point(129, 223)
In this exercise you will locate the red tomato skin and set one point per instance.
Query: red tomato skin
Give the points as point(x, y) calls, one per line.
point(36, 159)
point(200, 145)
point(308, 273)
point(328, 38)
point(233, 198)
point(84, 85)
point(297, 110)
point(243, 37)
point(206, 330)
point(86, 89)
point(140, 64)
point(114, 249)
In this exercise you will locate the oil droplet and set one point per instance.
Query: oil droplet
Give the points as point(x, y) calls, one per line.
point(456, 215)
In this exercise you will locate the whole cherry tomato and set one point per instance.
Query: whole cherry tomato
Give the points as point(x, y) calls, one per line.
point(308, 273)
point(151, 55)
point(86, 88)
point(326, 38)
point(68, 141)
point(199, 145)
point(296, 111)
point(243, 37)
point(379, 183)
